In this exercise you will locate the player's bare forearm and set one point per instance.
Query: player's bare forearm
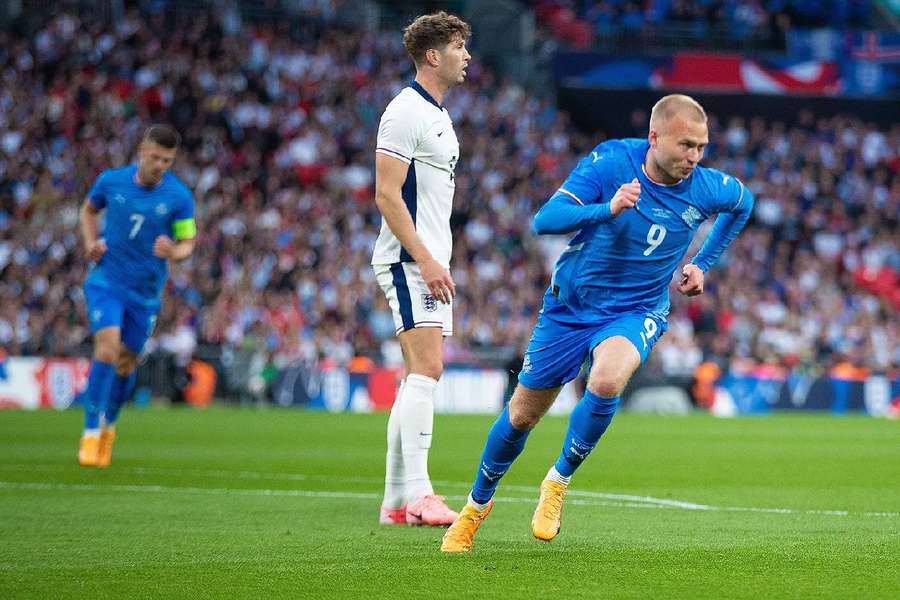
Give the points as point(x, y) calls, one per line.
point(94, 246)
point(88, 219)
point(165, 247)
point(390, 173)
point(183, 249)
point(397, 217)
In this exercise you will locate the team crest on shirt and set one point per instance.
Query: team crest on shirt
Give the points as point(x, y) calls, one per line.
point(429, 303)
point(691, 216)
point(119, 198)
point(162, 209)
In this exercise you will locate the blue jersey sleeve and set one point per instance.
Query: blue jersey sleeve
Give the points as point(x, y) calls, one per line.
point(184, 226)
point(562, 214)
point(735, 205)
point(585, 182)
point(727, 192)
point(98, 192)
point(579, 200)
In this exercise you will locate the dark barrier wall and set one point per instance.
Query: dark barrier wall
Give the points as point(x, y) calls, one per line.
point(609, 111)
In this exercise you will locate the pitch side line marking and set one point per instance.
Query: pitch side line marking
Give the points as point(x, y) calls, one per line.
point(88, 487)
point(257, 475)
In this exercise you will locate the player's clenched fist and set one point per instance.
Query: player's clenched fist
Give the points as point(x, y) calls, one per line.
point(96, 249)
point(163, 247)
point(626, 197)
point(691, 283)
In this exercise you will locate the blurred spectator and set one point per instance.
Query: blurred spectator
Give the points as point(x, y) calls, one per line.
point(573, 21)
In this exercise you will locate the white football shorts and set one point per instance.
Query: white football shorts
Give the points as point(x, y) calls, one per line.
point(409, 298)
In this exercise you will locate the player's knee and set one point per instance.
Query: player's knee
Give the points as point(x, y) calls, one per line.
point(126, 363)
point(607, 385)
point(522, 416)
point(430, 368)
point(107, 353)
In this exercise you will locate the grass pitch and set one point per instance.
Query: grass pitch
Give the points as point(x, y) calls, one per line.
point(240, 503)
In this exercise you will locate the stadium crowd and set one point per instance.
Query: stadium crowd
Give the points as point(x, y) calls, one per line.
point(577, 21)
point(279, 124)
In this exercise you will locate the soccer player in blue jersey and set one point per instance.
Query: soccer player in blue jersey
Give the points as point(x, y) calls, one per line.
point(636, 204)
point(149, 220)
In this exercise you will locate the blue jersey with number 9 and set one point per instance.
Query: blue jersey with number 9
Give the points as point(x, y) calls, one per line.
point(135, 215)
point(626, 264)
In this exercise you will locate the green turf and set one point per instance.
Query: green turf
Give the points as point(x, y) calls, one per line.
point(234, 503)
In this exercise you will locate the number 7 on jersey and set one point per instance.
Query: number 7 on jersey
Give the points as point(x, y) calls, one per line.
point(138, 220)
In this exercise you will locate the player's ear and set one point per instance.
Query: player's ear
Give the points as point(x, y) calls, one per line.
point(433, 57)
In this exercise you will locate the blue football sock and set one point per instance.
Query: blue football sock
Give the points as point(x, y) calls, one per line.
point(504, 443)
point(587, 423)
point(121, 391)
point(97, 394)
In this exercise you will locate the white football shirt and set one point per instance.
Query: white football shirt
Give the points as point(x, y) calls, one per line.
point(417, 130)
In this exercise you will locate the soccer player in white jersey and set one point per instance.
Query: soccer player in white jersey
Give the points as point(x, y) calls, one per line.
point(415, 157)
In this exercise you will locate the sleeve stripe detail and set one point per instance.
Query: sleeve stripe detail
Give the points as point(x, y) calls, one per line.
point(394, 152)
point(185, 229)
point(741, 197)
point(573, 196)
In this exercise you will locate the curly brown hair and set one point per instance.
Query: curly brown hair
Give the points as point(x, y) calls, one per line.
point(433, 31)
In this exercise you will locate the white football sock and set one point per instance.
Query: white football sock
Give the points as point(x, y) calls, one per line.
point(416, 421)
point(554, 475)
point(394, 480)
point(477, 505)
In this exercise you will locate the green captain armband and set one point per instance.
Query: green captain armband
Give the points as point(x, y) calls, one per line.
point(185, 229)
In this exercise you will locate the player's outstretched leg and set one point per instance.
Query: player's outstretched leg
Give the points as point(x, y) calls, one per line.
point(505, 441)
point(587, 423)
point(614, 360)
point(121, 390)
point(96, 396)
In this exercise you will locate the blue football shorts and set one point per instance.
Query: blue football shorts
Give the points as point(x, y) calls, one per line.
point(109, 308)
point(559, 345)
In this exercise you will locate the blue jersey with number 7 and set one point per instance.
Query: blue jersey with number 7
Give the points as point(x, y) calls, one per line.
point(625, 263)
point(135, 215)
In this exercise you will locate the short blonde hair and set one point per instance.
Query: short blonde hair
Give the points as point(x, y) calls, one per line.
point(674, 104)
